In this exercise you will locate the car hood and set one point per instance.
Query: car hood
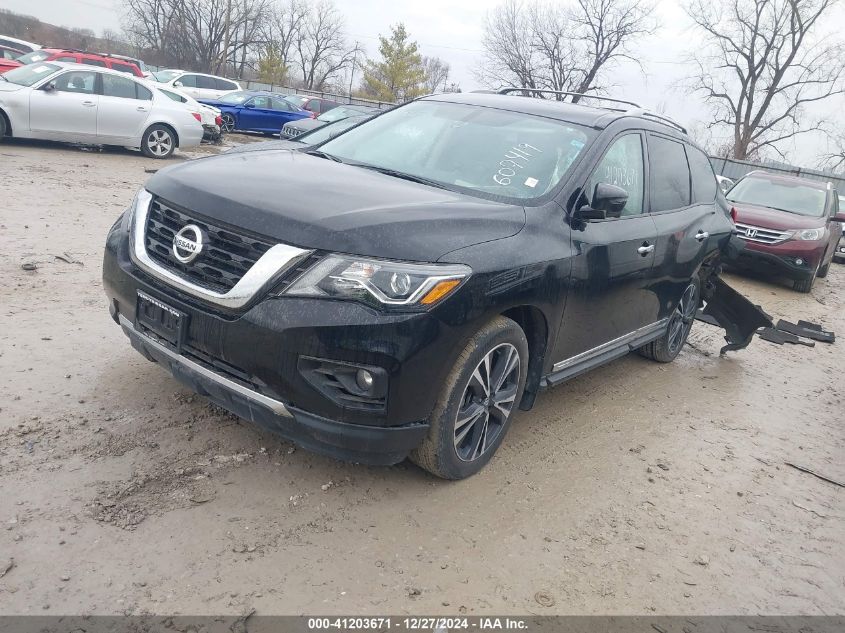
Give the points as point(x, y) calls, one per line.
point(766, 217)
point(8, 86)
point(317, 203)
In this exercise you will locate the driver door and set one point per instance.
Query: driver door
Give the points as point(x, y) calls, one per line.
point(68, 112)
point(610, 293)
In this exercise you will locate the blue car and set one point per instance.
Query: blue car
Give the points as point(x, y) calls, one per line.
point(256, 111)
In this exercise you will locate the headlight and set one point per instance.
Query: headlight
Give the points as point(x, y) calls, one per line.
point(380, 283)
point(808, 234)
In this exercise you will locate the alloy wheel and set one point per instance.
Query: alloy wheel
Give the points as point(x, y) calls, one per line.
point(487, 402)
point(682, 318)
point(228, 122)
point(160, 142)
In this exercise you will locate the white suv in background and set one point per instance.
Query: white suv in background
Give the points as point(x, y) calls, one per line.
point(196, 85)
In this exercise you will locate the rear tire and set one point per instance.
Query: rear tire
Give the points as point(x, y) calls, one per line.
point(3, 127)
point(158, 141)
point(478, 401)
point(667, 347)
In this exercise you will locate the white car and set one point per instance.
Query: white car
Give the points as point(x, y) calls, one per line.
point(210, 117)
point(84, 104)
point(21, 45)
point(197, 85)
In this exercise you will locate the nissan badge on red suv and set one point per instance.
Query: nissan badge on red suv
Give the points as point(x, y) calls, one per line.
point(401, 289)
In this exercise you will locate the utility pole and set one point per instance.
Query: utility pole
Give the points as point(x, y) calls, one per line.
point(352, 73)
point(227, 34)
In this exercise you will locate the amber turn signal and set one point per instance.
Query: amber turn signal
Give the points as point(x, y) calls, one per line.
point(440, 290)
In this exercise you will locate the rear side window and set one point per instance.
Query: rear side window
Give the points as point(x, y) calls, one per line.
point(117, 86)
point(188, 81)
point(124, 68)
point(207, 83)
point(65, 58)
point(223, 84)
point(704, 183)
point(143, 93)
point(669, 176)
point(93, 62)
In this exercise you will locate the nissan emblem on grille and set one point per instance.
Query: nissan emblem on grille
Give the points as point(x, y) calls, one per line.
point(187, 243)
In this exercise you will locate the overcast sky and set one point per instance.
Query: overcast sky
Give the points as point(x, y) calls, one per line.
point(451, 30)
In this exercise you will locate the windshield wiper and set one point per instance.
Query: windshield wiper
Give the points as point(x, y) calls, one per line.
point(319, 154)
point(401, 174)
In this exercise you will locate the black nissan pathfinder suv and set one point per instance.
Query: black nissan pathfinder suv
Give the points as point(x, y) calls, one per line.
point(401, 289)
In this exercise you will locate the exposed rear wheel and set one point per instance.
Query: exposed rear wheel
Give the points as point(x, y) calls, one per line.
point(666, 348)
point(158, 141)
point(480, 395)
point(227, 122)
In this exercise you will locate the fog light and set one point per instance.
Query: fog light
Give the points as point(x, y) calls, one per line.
point(364, 379)
point(799, 261)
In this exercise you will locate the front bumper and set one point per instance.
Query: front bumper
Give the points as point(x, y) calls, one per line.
point(353, 442)
point(249, 360)
point(780, 259)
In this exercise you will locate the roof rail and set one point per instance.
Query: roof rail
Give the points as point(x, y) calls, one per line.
point(505, 91)
point(637, 110)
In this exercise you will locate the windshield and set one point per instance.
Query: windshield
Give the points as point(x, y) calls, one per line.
point(324, 133)
point(496, 153)
point(164, 76)
point(336, 114)
point(235, 98)
point(784, 196)
point(33, 57)
point(28, 75)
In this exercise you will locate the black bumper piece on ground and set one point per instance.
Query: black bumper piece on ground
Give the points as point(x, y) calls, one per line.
point(340, 440)
point(728, 309)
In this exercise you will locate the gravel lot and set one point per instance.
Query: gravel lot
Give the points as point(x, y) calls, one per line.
point(636, 489)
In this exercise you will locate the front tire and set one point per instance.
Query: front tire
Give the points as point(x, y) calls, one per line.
point(667, 347)
point(158, 141)
point(804, 285)
point(227, 123)
point(480, 395)
point(824, 270)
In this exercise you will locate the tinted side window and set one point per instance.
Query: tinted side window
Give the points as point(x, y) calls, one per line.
point(65, 58)
point(669, 176)
point(142, 93)
point(93, 62)
point(223, 84)
point(704, 183)
point(622, 165)
point(116, 86)
point(208, 83)
point(124, 68)
point(188, 81)
point(77, 81)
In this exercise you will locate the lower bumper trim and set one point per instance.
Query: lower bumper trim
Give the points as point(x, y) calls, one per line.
point(341, 440)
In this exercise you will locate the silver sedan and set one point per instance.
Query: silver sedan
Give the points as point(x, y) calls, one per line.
point(83, 104)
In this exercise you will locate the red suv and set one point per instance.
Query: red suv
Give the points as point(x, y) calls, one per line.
point(103, 60)
point(791, 226)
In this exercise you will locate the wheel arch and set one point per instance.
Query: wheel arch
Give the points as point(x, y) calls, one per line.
point(7, 121)
point(533, 323)
point(166, 124)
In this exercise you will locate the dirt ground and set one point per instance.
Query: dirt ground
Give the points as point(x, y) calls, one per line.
point(637, 489)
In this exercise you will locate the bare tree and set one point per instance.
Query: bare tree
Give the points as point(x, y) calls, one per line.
point(283, 28)
point(560, 47)
point(835, 160)
point(760, 67)
point(321, 46)
point(436, 74)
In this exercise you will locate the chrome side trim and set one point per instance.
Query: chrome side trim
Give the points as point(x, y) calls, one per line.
point(627, 338)
point(274, 405)
point(276, 260)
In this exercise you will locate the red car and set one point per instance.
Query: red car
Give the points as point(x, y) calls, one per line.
point(74, 56)
point(791, 226)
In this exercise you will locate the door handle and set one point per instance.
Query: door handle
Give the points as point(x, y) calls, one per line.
point(142, 109)
point(88, 104)
point(702, 235)
point(645, 249)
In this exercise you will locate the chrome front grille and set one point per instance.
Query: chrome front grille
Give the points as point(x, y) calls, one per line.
point(290, 132)
point(227, 257)
point(761, 235)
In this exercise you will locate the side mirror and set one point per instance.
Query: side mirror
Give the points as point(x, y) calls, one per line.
point(50, 86)
point(608, 202)
point(177, 84)
point(249, 105)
